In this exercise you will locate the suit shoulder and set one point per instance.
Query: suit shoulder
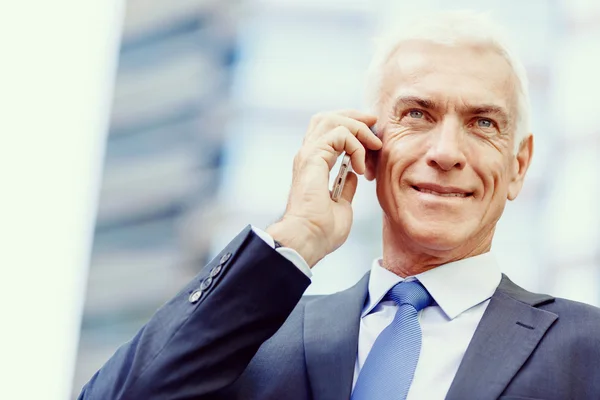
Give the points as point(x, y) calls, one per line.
point(575, 332)
point(572, 306)
point(574, 312)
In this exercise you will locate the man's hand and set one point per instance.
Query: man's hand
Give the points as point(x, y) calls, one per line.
point(313, 224)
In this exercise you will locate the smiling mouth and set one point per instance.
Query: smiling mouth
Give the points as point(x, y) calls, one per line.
point(443, 192)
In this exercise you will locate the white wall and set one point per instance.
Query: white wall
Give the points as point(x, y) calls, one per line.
point(57, 63)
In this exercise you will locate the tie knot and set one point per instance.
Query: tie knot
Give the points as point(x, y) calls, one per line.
point(412, 293)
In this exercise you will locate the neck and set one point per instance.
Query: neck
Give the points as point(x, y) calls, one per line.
point(405, 258)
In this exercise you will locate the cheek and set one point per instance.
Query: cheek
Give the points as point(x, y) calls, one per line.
point(395, 160)
point(397, 155)
point(491, 167)
point(401, 151)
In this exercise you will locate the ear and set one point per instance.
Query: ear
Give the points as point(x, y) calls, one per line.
point(371, 161)
point(521, 163)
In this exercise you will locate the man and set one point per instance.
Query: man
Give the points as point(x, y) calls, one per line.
point(434, 318)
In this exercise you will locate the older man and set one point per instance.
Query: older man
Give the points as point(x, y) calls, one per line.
point(434, 318)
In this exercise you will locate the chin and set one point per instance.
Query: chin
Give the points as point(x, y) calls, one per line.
point(437, 236)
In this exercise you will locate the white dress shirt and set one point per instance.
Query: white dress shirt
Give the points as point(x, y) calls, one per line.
point(291, 254)
point(461, 291)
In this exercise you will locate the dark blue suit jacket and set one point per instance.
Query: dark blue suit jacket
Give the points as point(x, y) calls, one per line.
point(251, 336)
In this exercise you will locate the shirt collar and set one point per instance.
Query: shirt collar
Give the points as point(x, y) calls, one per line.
point(455, 287)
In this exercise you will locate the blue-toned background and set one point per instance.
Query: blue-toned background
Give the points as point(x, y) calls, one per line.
point(212, 99)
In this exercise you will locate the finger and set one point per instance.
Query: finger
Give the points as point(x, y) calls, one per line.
point(357, 128)
point(342, 140)
point(367, 119)
point(364, 133)
point(350, 187)
point(358, 161)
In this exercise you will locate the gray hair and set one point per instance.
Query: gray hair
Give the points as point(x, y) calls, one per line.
point(452, 28)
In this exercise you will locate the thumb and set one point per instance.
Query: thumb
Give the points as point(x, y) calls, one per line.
point(350, 187)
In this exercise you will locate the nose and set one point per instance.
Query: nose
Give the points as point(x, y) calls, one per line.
point(446, 148)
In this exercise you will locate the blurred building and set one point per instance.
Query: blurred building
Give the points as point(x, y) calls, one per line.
point(211, 103)
point(162, 168)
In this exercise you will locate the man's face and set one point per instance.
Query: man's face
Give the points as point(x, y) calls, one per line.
point(447, 165)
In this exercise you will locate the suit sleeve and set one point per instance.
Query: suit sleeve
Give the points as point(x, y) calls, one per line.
point(202, 340)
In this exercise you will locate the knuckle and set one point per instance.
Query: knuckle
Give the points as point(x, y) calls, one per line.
point(316, 118)
point(340, 130)
point(352, 140)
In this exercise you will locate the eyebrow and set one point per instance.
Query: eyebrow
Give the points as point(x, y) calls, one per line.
point(415, 101)
point(485, 109)
point(428, 104)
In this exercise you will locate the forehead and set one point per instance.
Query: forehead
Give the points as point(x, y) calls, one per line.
point(450, 73)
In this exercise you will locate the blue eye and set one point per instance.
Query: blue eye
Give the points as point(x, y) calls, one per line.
point(484, 123)
point(415, 114)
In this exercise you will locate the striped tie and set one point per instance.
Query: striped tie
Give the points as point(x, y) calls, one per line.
point(390, 366)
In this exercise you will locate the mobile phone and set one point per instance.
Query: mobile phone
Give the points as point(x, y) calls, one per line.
point(338, 185)
point(346, 167)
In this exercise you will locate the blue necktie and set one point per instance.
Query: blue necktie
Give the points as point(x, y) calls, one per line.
point(390, 366)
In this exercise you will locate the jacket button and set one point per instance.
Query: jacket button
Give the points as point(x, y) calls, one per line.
point(215, 271)
point(225, 258)
point(195, 296)
point(206, 283)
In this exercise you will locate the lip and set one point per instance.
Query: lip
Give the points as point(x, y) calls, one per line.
point(441, 191)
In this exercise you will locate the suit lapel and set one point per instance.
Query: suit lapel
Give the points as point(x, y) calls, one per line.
point(507, 334)
point(331, 341)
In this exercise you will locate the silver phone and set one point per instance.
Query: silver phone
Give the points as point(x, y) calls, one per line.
point(338, 185)
point(346, 167)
